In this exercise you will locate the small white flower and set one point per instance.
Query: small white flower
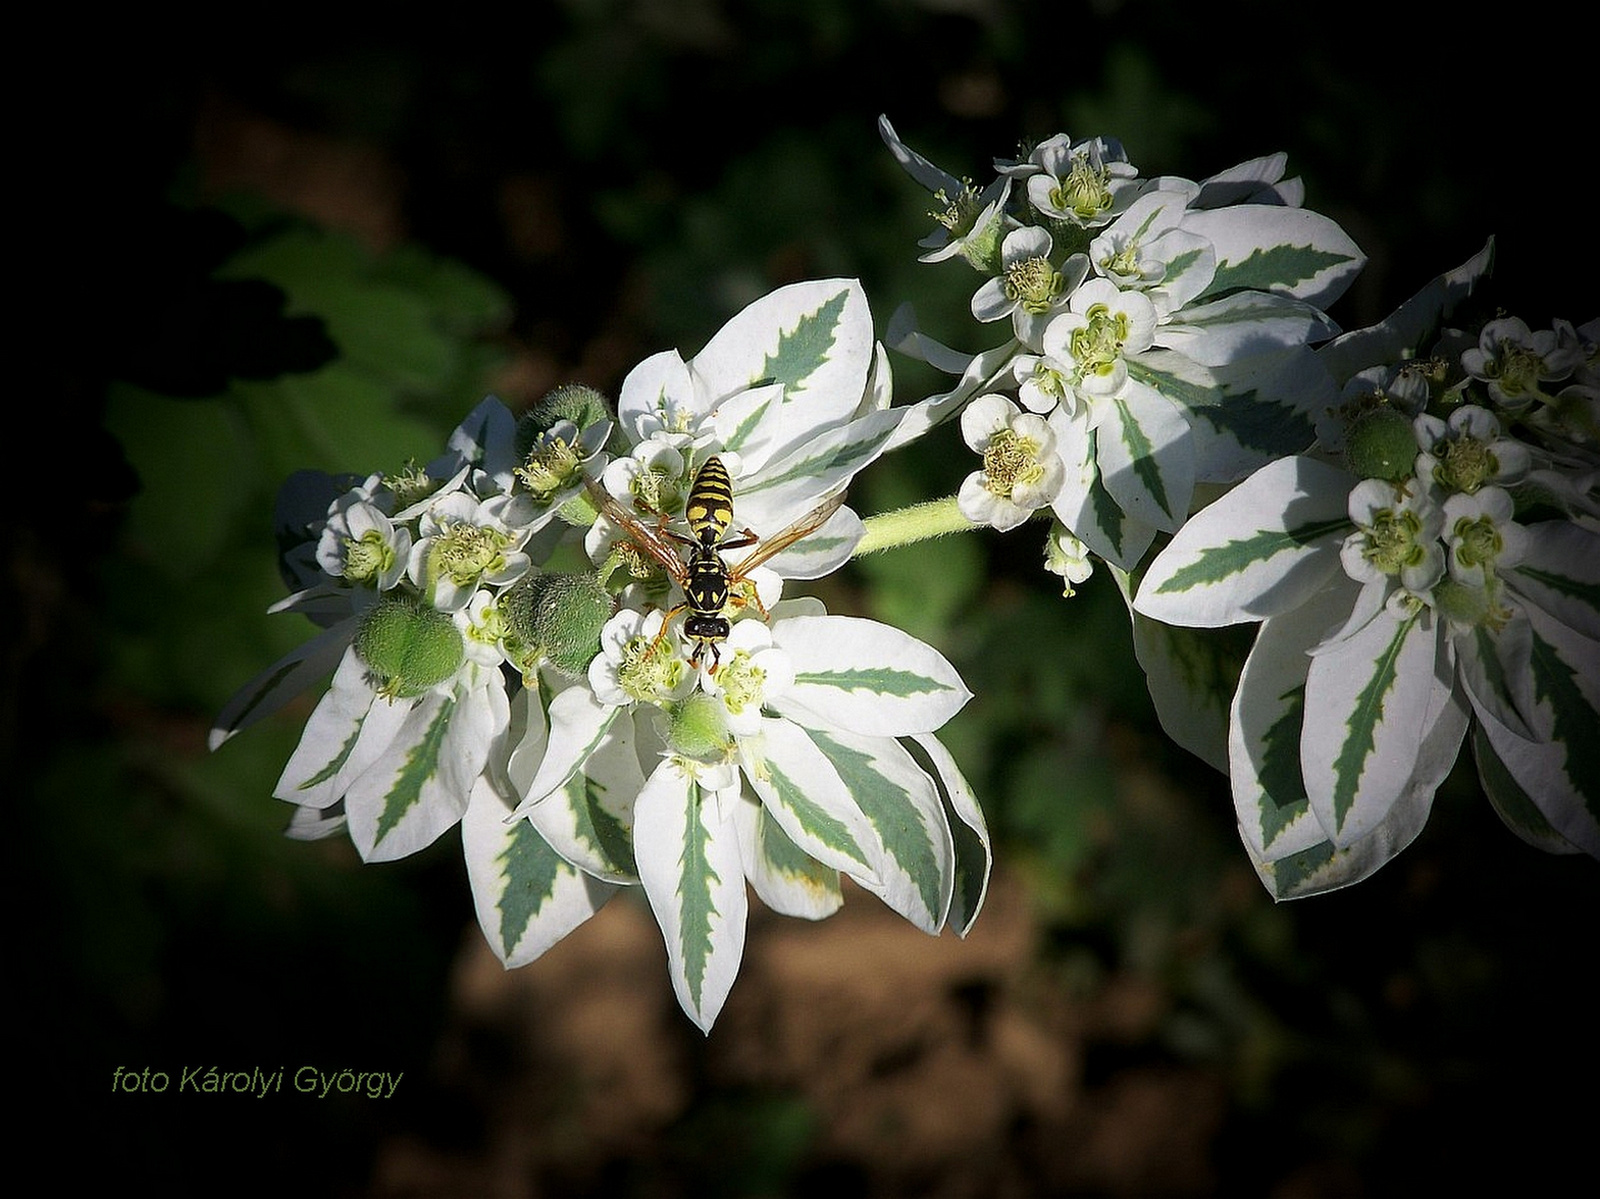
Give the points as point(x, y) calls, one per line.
point(482, 629)
point(465, 543)
point(1147, 250)
point(1021, 470)
point(361, 545)
point(1068, 557)
point(1087, 184)
point(1516, 362)
point(1467, 451)
point(1091, 339)
point(560, 460)
point(1044, 383)
point(637, 663)
point(1396, 538)
point(1481, 535)
point(1030, 286)
point(752, 673)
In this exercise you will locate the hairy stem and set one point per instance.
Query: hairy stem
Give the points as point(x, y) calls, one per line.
point(936, 518)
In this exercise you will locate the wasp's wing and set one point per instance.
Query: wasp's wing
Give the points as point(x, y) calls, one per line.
point(651, 541)
point(772, 546)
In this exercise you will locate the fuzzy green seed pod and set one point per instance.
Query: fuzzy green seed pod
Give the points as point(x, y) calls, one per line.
point(699, 728)
point(1381, 445)
point(558, 617)
point(409, 646)
point(583, 406)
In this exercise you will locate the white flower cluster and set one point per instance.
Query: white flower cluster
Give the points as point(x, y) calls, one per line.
point(1159, 332)
point(662, 716)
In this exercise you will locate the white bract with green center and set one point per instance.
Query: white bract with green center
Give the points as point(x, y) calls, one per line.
point(1086, 184)
point(638, 663)
point(1021, 471)
point(1091, 339)
point(559, 461)
point(1516, 362)
point(752, 674)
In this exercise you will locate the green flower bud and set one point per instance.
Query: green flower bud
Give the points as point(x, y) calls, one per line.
point(699, 728)
point(1381, 445)
point(557, 617)
point(583, 406)
point(409, 646)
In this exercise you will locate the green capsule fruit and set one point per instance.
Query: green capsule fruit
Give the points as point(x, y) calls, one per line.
point(409, 646)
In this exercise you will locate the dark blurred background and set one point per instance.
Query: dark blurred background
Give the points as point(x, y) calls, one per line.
point(265, 243)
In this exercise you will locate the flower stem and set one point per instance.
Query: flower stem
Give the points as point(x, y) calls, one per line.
point(936, 518)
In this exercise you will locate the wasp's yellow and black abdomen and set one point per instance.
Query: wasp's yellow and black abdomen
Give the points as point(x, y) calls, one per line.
point(709, 509)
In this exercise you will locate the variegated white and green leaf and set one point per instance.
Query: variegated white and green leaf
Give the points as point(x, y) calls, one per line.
point(693, 877)
point(1511, 802)
point(815, 338)
point(1262, 408)
point(826, 461)
point(1085, 506)
point(1325, 866)
point(1495, 665)
point(588, 820)
point(285, 679)
point(1262, 549)
point(862, 676)
point(969, 834)
point(350, 728)
point(1560, 573)
point(785, 878)
point(527, 896)
point(822, 552)
point(577, 724)
point(805, 795)
point(401, 803)
point(1369, 702)
point(1145, 453)
point(1243, 324)
point(1559, 767)
point(915, 869)
point(1269, 247)
point(1410, 327)
point(1266, 720)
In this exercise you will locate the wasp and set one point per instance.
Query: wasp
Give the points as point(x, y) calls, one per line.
point(706, 579)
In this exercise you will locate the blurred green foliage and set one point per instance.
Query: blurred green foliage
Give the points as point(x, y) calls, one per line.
point(622, 181)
